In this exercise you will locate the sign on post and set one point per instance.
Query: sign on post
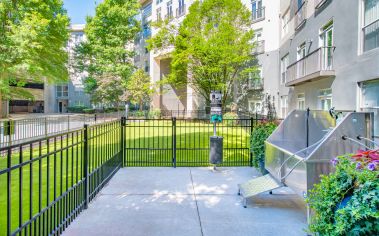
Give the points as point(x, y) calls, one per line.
point(216, 106)
point(216, 142)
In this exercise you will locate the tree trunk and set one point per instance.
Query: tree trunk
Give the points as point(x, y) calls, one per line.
point(141, 106)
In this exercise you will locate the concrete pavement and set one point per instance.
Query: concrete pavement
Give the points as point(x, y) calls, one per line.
point(188, 201)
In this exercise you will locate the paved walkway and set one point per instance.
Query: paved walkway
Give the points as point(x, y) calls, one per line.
point(187, 201)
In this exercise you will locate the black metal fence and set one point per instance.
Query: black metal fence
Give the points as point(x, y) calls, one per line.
point(184, 142)
point(47, 182)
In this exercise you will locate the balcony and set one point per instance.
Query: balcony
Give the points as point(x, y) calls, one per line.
point(258, 14)
point(315, 66)
point(256, 83)
point(169, 16)
point(319, 3)
point(301, 16)
point(259, 47)
point(181, 11)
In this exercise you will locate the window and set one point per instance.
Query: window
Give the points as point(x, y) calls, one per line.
point(169, 10)
point(255, 106)
point(284, 62)
point(301, 65)
point(301, 101)
point(327, 46)
point(79, 103)
point(147, 10)
point(284, 105)
point(301, 51)
point(285, 23)
point(257, 10)
point(258, 35)
point(325, 99)
point(159, 14)
point(371, 25)
point(62, 91)
point(370, 94)
point(370, 101)
point(146, 30)
point(159, 1)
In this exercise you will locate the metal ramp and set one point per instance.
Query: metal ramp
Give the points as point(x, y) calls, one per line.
point(256, 186)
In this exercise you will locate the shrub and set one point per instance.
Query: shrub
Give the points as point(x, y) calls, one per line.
point(260, 133)
point(89, 111)
point(155, 114)
point(76, 109)
point(346, 202)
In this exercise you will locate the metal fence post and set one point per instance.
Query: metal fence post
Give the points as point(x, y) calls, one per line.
point(9, 132)
point(85, 166)
point(251, 137)
point(9, 191)
point(123, 123)
point(174, 141)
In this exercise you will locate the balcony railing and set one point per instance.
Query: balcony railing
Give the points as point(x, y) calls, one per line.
point(181, 11)
point(258, 14)
point(371, 36)
point(319, 3)
point(316, 65)
point(256, 83)
point(301, 15)
point(259, 47)
point(169, 16)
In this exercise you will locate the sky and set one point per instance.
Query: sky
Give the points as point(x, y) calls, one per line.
point(77, 10)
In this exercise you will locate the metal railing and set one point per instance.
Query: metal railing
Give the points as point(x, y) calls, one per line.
point(258, 14)
point(319, 60)
point(259, 47)
point(185, 142)
point(319, 3)
point(47, 182)
point(21, 130)
point(181, 11)
point(256, 83)
point(301, 15)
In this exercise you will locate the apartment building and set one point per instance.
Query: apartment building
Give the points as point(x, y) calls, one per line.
point(265, 21)
point(142, 54)
point(65, 95)
point(329, 55)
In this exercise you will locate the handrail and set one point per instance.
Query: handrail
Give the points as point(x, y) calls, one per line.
point(310, 54)
point(372, 23)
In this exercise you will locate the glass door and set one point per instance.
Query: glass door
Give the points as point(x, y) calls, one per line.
point(327, 47)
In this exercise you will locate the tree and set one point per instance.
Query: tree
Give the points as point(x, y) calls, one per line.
point(33, 36)
point(105, 55)
point(139, 88)
point(213, 46)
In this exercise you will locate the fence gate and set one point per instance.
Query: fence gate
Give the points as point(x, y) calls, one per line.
point(183, 142)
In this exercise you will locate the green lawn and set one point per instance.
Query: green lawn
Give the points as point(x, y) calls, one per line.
point(65, 159)
point(148, 143)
